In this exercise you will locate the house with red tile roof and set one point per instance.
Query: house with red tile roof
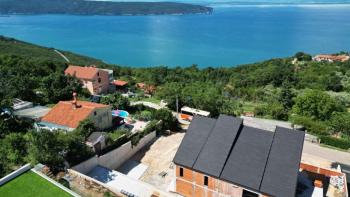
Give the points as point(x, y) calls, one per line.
point(120, 83)
point(331, 58)
point(67, 115)
point(96, 80)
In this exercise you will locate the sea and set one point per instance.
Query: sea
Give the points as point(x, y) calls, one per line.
point(237, 32)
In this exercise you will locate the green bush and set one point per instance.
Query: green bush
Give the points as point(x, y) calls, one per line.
point(117, 143)
point(336, 142)
point(144, 115)
point(312, 126)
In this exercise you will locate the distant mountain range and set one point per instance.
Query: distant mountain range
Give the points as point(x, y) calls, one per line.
point(84, 7)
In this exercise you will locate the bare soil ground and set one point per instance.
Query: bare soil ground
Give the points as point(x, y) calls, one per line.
point(158, 157)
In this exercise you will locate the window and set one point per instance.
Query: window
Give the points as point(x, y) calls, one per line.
point(95, 113)
point(99, 80)
point(249, 194)
point(206, 181)
point(181, 172)
point(98, 74)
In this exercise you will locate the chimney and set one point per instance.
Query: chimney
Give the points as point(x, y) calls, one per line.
point(75, 101)
point(318, 183)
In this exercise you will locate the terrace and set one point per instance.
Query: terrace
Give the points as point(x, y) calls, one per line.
point(154, 161)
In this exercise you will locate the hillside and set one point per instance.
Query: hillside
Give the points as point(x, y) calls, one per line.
point(306, 92)
point(84, 7)
point(10, 46)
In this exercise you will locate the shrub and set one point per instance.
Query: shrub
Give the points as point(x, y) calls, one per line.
point(312, 126)
point(144, 115)
point(274, 111)
point(336, 142)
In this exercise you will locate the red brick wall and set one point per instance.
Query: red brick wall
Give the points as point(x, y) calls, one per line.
point(192, 185)
point(184, 188)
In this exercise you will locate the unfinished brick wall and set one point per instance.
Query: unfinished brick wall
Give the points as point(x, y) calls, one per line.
point(191, 184)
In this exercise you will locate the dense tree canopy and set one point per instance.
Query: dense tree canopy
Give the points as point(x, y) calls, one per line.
point(317, 105)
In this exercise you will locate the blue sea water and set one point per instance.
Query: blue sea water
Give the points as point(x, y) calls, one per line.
point(236, 33)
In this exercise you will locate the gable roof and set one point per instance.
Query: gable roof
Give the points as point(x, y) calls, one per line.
point(244, 164)
point(283, 163)
point(82, 72)
point(65, 114)
point(214, 153)
point(249, 157)
point(193, 141)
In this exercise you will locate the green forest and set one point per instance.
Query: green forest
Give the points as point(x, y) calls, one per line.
point(313, 94)
point(85, 7)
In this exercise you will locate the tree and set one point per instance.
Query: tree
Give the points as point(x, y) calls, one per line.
point(301, 56)
point(116, 100)
point(286, 97)
point(317, 105)
point(231, 107)
point(47, 148)
point(85, 128)
point(57, 87)
point(75, 148)
point(340, 123)
point(167, 118)
point(14, 147)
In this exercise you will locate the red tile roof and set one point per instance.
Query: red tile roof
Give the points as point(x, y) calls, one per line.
point(119, 82)
point(81, 72)
point(64, 113)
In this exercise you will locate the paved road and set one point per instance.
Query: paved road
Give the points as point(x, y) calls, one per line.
point(339, 157)
point(61, 54)
point(327, 153)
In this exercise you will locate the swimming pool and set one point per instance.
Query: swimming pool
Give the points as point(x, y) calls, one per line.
point(120, 113)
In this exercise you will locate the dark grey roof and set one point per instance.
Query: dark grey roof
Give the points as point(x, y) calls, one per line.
point(262, 161)
point(246, 164)
point(214, 154)
point(193, 141)
point(280, 178)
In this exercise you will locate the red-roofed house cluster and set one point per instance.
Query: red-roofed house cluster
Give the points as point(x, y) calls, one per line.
point(96, 80)
point(331, 58)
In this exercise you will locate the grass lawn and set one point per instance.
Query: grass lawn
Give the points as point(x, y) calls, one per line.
point(30, 184)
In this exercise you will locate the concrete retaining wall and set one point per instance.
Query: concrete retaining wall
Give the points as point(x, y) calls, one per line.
point(87, 165)
point(116, 157)
point(14, 174)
